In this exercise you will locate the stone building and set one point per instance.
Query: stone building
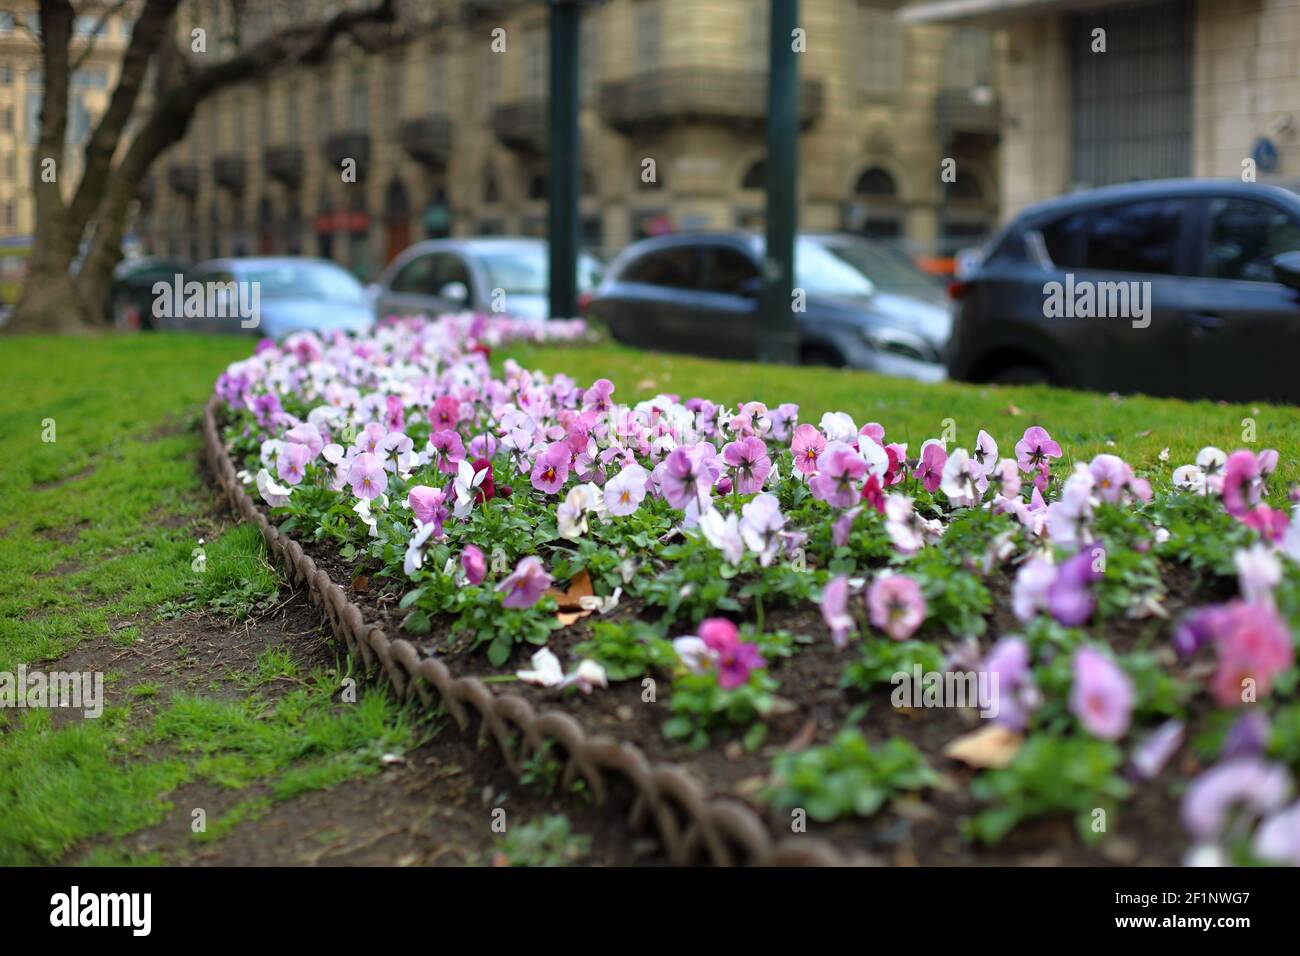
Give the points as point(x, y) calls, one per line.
point(448, 131)
point(1104, 91)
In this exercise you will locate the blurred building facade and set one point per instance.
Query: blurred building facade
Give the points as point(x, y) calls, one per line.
point(449, 134)
point(99, 38)
point(1182, 88)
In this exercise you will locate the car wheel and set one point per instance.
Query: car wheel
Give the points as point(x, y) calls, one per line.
point(816, 355)
point(1021, 375)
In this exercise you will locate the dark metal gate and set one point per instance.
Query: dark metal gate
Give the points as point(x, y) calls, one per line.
point(1132, 105)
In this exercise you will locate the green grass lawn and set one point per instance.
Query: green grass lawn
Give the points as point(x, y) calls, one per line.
point(1084, 423)
point(98, 525)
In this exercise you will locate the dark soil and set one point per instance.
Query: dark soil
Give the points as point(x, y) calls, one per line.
point(1145, 830)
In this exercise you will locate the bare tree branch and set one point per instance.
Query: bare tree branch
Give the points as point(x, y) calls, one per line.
point(94, 37)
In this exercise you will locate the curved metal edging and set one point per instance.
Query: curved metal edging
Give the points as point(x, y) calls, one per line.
point(692, 826)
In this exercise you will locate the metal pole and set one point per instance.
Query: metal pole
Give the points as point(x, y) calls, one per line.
point(777, 338)
point(564, 170)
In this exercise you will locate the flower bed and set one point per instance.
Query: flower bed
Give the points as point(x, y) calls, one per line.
point(802, 614)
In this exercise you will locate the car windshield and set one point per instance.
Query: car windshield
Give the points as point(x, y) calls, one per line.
point(818, 272)
point(304, 280)
point(523, 270)
point(888, 269)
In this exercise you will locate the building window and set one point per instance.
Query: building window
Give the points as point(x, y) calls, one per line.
point(326, 107)
point(536, 64)
point(488, 77)
point(438, 79)
point(649, 37)
point(877, 211)
point(589, 57)
point(6, 76)
point(359, 107)
point(6, 22)
point(9, 213)
point(756, 35)
point(968, 59)
point(877, 49)
point(33, 118)
point(7, 120)
point(755, 176)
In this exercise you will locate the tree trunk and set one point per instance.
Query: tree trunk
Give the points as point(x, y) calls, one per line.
point(48, 301)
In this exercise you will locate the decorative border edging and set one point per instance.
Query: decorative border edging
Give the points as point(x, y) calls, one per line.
point(690, 823)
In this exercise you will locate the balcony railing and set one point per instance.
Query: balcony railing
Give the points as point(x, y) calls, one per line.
point(522, 125)
point(962, 110)
point(230, 172)
point(283, 163)
point(665, 97)
point(183, 178)
point(353, 144)
point(427, 139)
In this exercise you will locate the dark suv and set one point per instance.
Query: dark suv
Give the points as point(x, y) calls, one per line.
point(1170, 288)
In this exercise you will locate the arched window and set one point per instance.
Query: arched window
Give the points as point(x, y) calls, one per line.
point(876, 209)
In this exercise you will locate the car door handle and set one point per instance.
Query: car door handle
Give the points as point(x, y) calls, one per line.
point(1206, 323)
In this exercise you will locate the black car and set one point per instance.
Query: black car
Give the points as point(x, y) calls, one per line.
point(1169, 288)
point(699, 293)
point(130, 298)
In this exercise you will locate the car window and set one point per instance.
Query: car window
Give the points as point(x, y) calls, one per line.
point(818, 271)
point(1244, 236)
point(525, 270)
point(304, 280)
point(729, 271)
point(1129, 237)
point(675, 268)
point(448, 267)
point(416, 277)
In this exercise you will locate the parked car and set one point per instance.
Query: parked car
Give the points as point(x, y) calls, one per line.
point(266, 296)
point(130, 298)
point(700, 293)
point(496, 274)
point(1213, 309)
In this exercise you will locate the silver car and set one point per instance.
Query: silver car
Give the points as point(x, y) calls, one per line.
point(270, 296)
point(497, 274)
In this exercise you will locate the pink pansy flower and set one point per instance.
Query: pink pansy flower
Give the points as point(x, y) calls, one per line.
point(551, 469)
point(367, 476)
point(626, 490)
point(807, 446)
point(1017, 694)
point(1035, 450)
point(428, 505)
point(930, 468)
point(394, 414)
point(896, 605)
point(371, 438)
point(1029, 593)
point(735, 659)
point(1247, 785)
point(1007, 474)
point(749, 463)
point(446, 449)
point(1254, 647)
point(1111, 476)
point(1157, 749)
point(784, 418)
point(835, 609)
point(1278, 838)
point(597, 397)
point(688, 473)
point(873, 495)
point(1258, 573)
point(525, 584)
point(291, 464)
point(1241, 482)
point(308, 435)
point(445, 414)
point(473, 564)
point(839, 468)
point(838, 426)
point(1102, 695)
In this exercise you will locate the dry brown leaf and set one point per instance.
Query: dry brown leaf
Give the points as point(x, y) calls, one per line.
point(568, 617)
point(990, 746)
point(570, 600)
point(1013, 409)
